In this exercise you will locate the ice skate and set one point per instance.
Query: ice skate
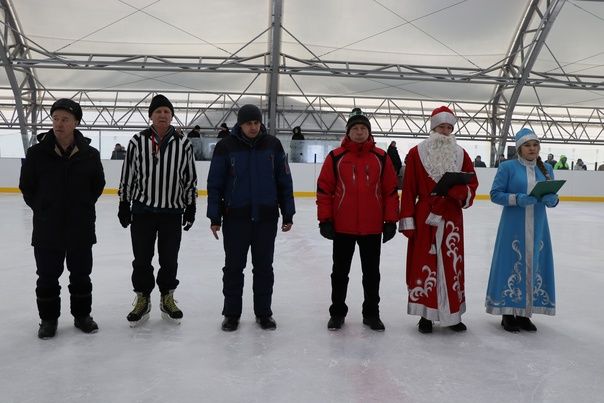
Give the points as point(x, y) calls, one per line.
point(140, 313)
point(168, 308)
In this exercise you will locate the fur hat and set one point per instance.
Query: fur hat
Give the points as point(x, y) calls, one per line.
point(525, 134)
point(247, 113)
point(160, 100)
point(357, 117)
point(68, 105)
point(442, 115)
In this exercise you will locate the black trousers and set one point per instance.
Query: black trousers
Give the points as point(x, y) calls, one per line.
point(145, 229)
point(50, 266)
point(239, 235)
point(343, 250)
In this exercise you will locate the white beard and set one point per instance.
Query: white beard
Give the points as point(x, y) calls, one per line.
point(441, 153)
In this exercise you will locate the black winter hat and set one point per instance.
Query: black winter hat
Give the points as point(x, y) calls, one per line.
point(356, 116)
point(69, 105)
point(248, 113)
point(160, 100)
point(224, 126)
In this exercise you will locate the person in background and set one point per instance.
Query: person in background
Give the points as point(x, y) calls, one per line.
point(500, 159)
point(479, 163)
point(353, 211)
point(580, 165)
point(194, 133)
point(61, 180)
point(562, 164)
point(394, 157)
point(550, 160)
point(397, 163)
point(118, 153)
point(248, 183)
point(521, 281)
point(297, 133)
point(434, 226)
point(224, 131)
point(157, 194)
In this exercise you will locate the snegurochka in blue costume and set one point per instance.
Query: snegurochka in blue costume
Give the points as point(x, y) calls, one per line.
point(521, 282)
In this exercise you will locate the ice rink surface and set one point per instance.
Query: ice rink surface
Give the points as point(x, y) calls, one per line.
point(301, 361)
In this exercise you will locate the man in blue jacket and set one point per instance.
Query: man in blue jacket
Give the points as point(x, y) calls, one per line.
point(248, 183)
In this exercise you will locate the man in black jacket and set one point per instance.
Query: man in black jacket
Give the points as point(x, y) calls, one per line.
point(61, 180)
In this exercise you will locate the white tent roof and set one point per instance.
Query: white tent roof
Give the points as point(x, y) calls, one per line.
point(333, 54)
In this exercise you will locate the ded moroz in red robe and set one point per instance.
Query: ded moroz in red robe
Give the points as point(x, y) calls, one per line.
point(435, 253)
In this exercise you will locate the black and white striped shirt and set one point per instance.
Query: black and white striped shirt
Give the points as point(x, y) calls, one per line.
point(164, 180)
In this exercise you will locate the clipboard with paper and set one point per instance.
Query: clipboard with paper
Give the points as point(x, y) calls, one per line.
point(450, 179)
point(545, 187)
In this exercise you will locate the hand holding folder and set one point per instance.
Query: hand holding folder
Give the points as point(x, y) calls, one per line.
point(450, 179)
point(546, 187)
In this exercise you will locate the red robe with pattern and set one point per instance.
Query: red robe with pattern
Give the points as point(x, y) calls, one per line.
point(435, 252)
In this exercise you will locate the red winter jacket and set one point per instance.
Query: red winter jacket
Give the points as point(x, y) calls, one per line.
point(356, 189)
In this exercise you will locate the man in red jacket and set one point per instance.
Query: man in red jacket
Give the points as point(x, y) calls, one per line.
point(357, 202)
point(434, 226)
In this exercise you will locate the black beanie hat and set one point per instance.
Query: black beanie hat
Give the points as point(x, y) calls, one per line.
point(356, 117)
point(69, 105)
point(160, 100)
point(248, 113)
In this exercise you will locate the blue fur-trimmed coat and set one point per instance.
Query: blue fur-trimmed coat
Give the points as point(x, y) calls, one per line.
point(521, 281)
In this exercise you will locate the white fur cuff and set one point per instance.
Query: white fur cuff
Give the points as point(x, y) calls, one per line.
point(433, 219)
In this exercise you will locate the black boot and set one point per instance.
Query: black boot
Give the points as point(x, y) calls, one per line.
point(460, 327)
point(266, 322)
point(86, 324)
point(424, 325)
point(335, 323)
point(230, 323)
point(509, 323)
point(525, 323)
point(48, 329)
point(80, 297)
point(374, 323)
point(49, 309)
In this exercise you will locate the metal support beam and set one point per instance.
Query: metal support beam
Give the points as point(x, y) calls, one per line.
point(528, 42)
point(11, 46)
point(275, 49)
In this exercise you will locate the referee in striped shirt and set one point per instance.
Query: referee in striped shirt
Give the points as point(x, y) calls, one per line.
point(157, 195)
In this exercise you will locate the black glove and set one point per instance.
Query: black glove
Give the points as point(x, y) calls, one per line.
point(326, 229)
point(124, 214)
point(188, 217)
point(388, 232)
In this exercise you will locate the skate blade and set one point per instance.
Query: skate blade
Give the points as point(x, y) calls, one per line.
point(167, 318)
point(138, 323)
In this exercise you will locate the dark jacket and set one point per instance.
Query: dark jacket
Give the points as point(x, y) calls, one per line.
point(249, 178)
point(356, 189)
point(118, 154)
point(395, 158)
point(62, 191)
